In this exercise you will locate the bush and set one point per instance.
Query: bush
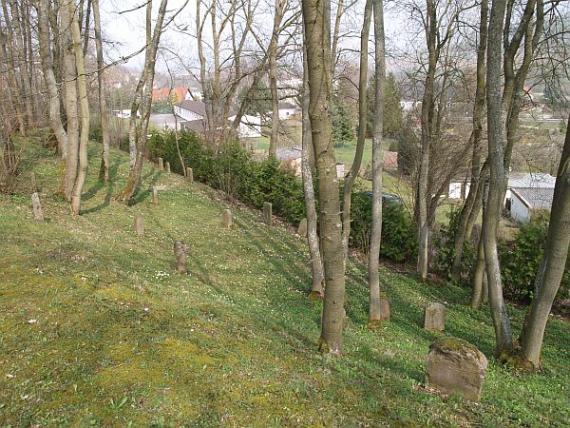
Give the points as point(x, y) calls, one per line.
point(520, 261)
point(399, 241)
point(233, 171)
point(445, 252)
point(252, 182)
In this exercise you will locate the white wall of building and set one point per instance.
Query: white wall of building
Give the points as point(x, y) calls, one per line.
point(455, 189)
point(286, 113)
point(519, 209)
point(186, 114)
point(249, 127)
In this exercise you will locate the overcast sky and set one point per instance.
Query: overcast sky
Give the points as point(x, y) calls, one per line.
point(125, 31)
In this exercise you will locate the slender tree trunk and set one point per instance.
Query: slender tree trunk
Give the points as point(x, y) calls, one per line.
point(498, 180)
point(143, 98)
point(103, 110)
point(318, 61)
point(69, 76)
point(469, 206)
point(376, 309)
point(9, 53)
point(479, 274)
point(83, 110)
point(552, 267)
point(272, 52)
point(317, 286)
point(361, 138)
point(426, 141)
point(54, 100)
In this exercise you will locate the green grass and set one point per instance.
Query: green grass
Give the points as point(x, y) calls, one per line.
point(96, 329)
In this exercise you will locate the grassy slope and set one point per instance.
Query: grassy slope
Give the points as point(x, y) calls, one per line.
point(119, 338)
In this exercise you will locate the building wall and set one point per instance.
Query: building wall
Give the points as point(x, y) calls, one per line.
point(286, 113)
point(186, 114)
point(519, 210)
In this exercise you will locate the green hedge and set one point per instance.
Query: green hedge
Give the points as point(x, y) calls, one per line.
point(399, 241)
point(519, 258)
point(255, 182)
point(233, 171)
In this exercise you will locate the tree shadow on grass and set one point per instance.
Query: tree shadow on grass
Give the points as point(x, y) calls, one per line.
point(98, 186)
point(142, 195)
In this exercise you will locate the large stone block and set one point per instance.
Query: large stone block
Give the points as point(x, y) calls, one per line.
point(434, 317)
point(456, 366)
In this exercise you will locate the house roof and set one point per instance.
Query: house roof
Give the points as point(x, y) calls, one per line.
point(162, 94)
point(289, 153)
point(534, 198)
point(197, 107)
point(535, 180)
point(287, 105)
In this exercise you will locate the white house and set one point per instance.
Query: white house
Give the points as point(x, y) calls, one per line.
point(458, 189)
point(525, 201)
point(249, 127)
point(529, 180)
point(193, 117)
point(287, 110)
point(190, 110)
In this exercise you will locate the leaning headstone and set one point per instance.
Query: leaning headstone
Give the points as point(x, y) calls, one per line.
point(139, 225)
point(160, 164)
point(154, 191)
point(434, 317)
point(167, 166)
point(227, 219)
point(190, 175)
point(181, 252)
point(456, 366)
point(268, 213)
point(37, 207)
point(302, 229)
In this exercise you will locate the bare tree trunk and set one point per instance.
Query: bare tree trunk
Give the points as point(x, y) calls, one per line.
point(469, 206)
point(54, 99)
point(377, 311)
point(83, 110)
point(498, 179)
point(552, 267)
point(69, 77)
point(103, 110)
point(18, 44)
point(318, 61)
point(336, 34)
point(426, 141)
point(143, 97)
point(8, 51)
point(272, 52)
point(479, 275)
point(362, 119)
point(317, 288)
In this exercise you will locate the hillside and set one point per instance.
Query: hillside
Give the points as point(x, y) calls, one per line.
point(96, 329)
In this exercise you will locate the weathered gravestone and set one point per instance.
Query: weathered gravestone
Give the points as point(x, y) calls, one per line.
point(154, 191)
point(268, 213)
point(456, 366)
point(190, 175)
point(37, 207)
point(227, 219)
point(181, 251)
point(160, 164)
point(167, 164)
point(434, 317)
point(302, 229)
point(139, 225)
